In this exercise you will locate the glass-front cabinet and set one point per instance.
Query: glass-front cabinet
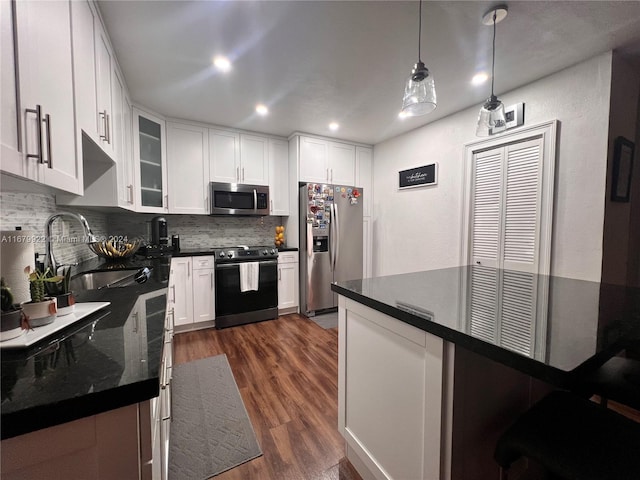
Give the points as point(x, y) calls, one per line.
point(151, 162)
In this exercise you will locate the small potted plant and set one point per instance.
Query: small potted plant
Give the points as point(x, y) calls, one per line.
point(11, 323)
point(60, 291)
point(42, 309)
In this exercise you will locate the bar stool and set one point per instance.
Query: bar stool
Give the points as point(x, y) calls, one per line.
point(618, 379)
point(573, 438)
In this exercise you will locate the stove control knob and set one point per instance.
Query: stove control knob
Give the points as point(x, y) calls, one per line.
point(273, 252)
point(221, 254)
point(264, 252)
point(229, 254)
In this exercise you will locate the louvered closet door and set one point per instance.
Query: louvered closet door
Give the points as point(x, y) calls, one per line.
point(484, 304)
point(505, 223)
point(522, 199)
point(518, 311)
point(486, 223)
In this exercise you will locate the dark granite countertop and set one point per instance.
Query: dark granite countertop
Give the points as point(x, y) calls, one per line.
point(105, 361)
point(552, 328)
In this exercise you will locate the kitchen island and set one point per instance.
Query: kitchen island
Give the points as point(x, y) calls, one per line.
point(434, 365)
point(80, 403)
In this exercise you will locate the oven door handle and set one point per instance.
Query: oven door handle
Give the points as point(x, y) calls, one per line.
point(261, 262)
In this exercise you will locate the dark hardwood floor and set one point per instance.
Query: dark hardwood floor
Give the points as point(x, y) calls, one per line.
point(287, 374)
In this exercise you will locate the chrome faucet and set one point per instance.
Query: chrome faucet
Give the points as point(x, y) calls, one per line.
point(50, 261)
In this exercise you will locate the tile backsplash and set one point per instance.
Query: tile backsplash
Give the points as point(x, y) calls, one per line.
point(200, 231)
point(30, 211)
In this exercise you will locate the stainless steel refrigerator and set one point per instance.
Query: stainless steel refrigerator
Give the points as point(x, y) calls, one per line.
point(330, 242)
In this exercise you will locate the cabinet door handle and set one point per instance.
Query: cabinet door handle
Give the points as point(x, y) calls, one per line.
point(327, 174)
point(47, 120)
point(170, 322)
point(211, 277)
point(171, 395)
point(135, 322)
point(238, 174)
point(279, 274)
point(271, 201)
point(243, 174)
point(173, 299)
point(165, 203)
point(38, 112)
point(103, 117)
point(332, 175)
point(130, 187)
point(106, 128)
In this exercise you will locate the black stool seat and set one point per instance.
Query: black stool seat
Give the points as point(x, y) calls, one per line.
point(574, 438)
point(618, 379)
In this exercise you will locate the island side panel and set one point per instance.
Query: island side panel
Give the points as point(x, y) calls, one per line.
point(390, 391)
point(102, 446)
point(487, 398)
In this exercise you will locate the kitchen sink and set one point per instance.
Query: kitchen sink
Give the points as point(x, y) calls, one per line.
point(108, 279)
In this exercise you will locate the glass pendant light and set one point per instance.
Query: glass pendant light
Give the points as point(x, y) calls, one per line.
point(420, 90)
point(491, 118)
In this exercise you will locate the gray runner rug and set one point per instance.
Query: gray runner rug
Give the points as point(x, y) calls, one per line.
point(211, 431)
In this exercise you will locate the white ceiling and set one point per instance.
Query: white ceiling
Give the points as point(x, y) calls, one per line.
point(315, 62)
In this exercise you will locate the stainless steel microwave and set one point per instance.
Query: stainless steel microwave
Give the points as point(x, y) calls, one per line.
point(238, 199)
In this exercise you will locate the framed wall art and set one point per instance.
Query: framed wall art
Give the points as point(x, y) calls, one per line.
point(418, 177)
point(622, 170)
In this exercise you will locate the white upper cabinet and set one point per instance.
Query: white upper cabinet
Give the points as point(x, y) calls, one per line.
point(224, 156)
point(342, 163)
point(254, 160)
point(149, 147)
point(46, 95)
point(9, 137)
point(314, 160)
point(123, 143)
point(99, 86)
point(188, 168)
point(324, 161)
point(364, 177)
point(238, 158)
point(104, 117)
point(83, 20)
point(279, 177)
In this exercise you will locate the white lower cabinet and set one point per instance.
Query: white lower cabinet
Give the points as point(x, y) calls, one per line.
point(203, 289)
point(160, 407)
point(192, 289)
point(288, 286)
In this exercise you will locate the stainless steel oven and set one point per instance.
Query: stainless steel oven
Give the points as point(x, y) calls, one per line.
point(237, 199)
point(235, 306)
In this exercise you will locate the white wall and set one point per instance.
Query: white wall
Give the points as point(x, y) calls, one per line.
point(420, 229)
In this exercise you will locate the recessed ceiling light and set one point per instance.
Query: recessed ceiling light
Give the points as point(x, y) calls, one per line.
point(479, 78)
point(222, 63)
point(333, 126)
point(262, 109)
